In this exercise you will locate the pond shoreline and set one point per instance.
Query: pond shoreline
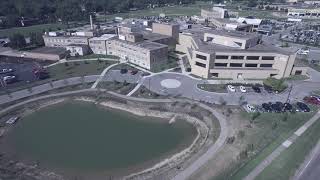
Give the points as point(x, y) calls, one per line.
point(162, 165)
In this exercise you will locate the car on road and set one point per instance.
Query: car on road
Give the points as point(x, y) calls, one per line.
point(302, 107)
point(243, 89)
point(312, 100)
point(6, 70)
point(256, 89)
point(303, 51)
point(250, 108)
point(231, 88)
point(123, 71)
point(266, 107)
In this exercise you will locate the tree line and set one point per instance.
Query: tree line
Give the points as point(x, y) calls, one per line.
point(47, 11)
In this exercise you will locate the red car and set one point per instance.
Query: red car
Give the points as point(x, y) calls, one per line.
point(312, 100)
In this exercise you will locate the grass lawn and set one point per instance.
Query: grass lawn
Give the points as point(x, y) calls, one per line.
point(93, 56)
point(219, 88)
point(144, 92)
point(187, 10)
point(269, 131)
point(297, 77)
point(27, 30)
point(285, 166)
point(171, 63)
point(118, 87)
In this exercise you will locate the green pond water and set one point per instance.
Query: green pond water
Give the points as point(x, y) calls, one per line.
point(82, 137)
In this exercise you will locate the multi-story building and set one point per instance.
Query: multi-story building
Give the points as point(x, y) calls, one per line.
point(98, 45)
point(235, 55)
point(145, 54)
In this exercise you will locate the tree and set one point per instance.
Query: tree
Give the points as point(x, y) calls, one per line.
point(17, 41)
point(36, 39)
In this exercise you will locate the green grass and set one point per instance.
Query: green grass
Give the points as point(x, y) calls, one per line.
point(94, 56)
point(27, 30)
point(297, 77)
point(285, 166)
point(188, 10)
point(118, 87)
point(266, 138)
point(219, 88)
point(171, 63)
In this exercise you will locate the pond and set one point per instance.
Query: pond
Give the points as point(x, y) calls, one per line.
point(79, 139)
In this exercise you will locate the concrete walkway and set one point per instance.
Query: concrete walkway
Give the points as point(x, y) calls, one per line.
point(102, 75)
point(286, 144)
point(80, 60)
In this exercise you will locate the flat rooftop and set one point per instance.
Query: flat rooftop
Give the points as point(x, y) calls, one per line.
point(207, 47)
point(145, 44)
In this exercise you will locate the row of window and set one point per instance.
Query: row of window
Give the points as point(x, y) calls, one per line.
point(240, 65)
point(247, 57)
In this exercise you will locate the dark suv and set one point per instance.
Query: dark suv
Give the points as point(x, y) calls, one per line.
point(302, 107)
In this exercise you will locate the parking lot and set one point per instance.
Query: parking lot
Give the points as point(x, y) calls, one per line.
point(22, 70)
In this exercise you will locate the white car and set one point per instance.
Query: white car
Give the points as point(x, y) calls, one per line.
point(231, 88)
point(5, 70)
point(12, 120)
point(243, 89)
point(8, 78)
point(250, 108)
point(303, 52)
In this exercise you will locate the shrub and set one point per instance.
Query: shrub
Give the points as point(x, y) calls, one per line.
point(276, 84)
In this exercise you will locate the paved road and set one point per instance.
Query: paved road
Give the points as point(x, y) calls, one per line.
point(189, 89)
point(310, 169)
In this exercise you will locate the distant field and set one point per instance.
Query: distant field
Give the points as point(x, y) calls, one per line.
point(187, 10)
point(27, 30)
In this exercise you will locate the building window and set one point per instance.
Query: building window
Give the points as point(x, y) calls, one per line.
point(222, 57)
point(215, 74)
point(235, 64)
point(201, 57)
point(265, 65)
point(251, 65)
point(237, 57)
point(252, 57)
point(221, 64)
point(267, 57)
point(238, 43)
point(201, 64)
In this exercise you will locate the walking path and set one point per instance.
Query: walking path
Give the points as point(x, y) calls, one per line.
point(102, 75)
point(286, 144)
point(80, 60)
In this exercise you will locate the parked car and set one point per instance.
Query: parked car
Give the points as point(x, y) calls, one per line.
point(9, 79)
point(250, 108)
point(133, 72)
point(267, 107)
point(276, 107)
point(268, 89)
point(256, 89)
point(12, 120)
point(243, 89)
point(123, 71)
point(231, 88)
point(5, 70)
point(302, 107)
point(312, 100)
point(288, 107)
